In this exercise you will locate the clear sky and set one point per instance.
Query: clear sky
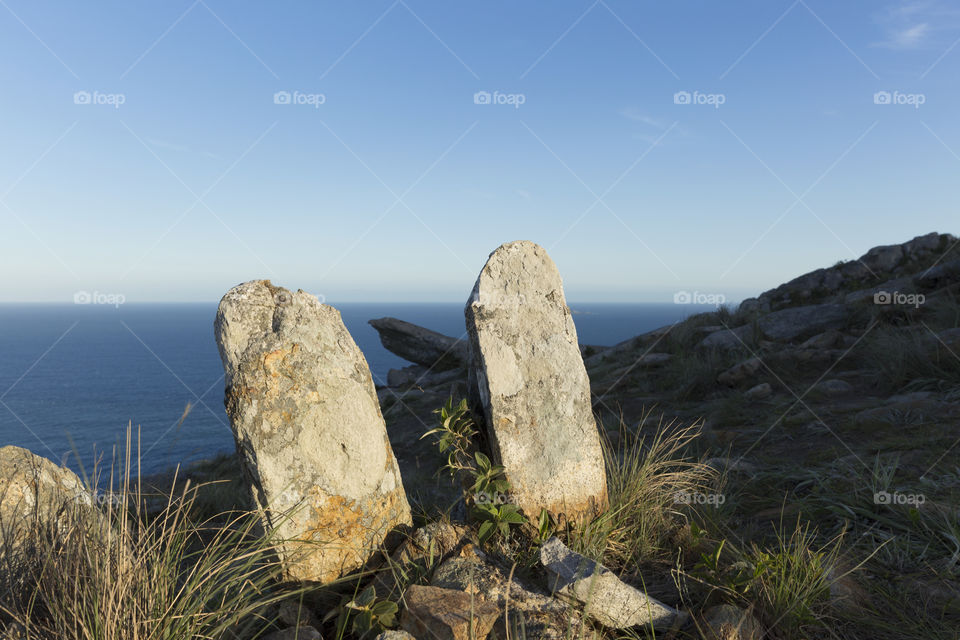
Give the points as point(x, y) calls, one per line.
point(148, 149)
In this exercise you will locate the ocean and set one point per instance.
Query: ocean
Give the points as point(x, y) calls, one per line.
point(72, 377)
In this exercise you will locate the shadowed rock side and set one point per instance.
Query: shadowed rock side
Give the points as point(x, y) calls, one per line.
point(527, 374)
point(308, 428)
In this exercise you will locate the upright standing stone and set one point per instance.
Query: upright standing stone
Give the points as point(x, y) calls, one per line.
point(308, 426)
point(528, 375)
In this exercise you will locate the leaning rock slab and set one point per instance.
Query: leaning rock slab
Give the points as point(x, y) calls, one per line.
point(527, 374)
point(308, 426)
point(419, 345)
point(610, 601)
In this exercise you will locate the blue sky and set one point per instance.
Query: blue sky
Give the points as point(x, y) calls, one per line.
point(145, 151)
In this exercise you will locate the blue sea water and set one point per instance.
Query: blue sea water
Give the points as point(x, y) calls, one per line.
point(72, 377)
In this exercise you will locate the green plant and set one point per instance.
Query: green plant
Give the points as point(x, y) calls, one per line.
point(454, 436)
point(365, 614)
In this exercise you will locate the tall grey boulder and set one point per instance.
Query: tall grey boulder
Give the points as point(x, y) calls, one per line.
point(308, 426)
point(527, 374)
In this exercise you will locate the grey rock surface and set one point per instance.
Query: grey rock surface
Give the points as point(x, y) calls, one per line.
point(308, 427)
point(795, 322)
point(420, 345)
point(607, 599)
point(527, 376)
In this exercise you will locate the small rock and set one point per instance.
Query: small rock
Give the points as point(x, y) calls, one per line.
point(446, 614)
point(607, 599)
point(435, 541)
point(651, 360)
point(795, 322)
point(740, 372)
point(406, 376)
point(727, 340)
point(759, 392)
point(395, 634)
point(727, 622)
point(295, 633)
point(826, 340)
point(834, 387)
point(294, 614)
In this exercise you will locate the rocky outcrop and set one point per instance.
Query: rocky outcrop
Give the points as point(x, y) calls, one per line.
point(605, 597)
point(34, 493)
point(884, 264)
point(419, 345)
point(309, 430)
point(530, 383)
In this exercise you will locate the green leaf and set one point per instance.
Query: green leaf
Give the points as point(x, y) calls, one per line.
point(366, 598)
point(482, 461)
point(384, 608)
point(486, 530)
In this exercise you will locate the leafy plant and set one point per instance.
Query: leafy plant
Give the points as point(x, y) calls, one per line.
point(365, 614)
point(454, 436)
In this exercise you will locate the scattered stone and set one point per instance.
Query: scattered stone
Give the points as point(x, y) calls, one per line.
point(826, 340)
point(542, 617)
point(759, 392)
point(740, 372)
point(434, 541)
point(295, 633)
point(446, 614)
point(528, 378)
point(307, 424)
point(728, 339)
point(727, 622)
point(605, 597)
point(419, 345)
point(834, 387)
point(651, 360)
point(788, 324)
point(295, 614)
point(395, 634)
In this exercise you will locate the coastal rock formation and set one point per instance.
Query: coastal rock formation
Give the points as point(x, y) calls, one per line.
point(419, 345)
point(528, 376)
point(308, 426)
